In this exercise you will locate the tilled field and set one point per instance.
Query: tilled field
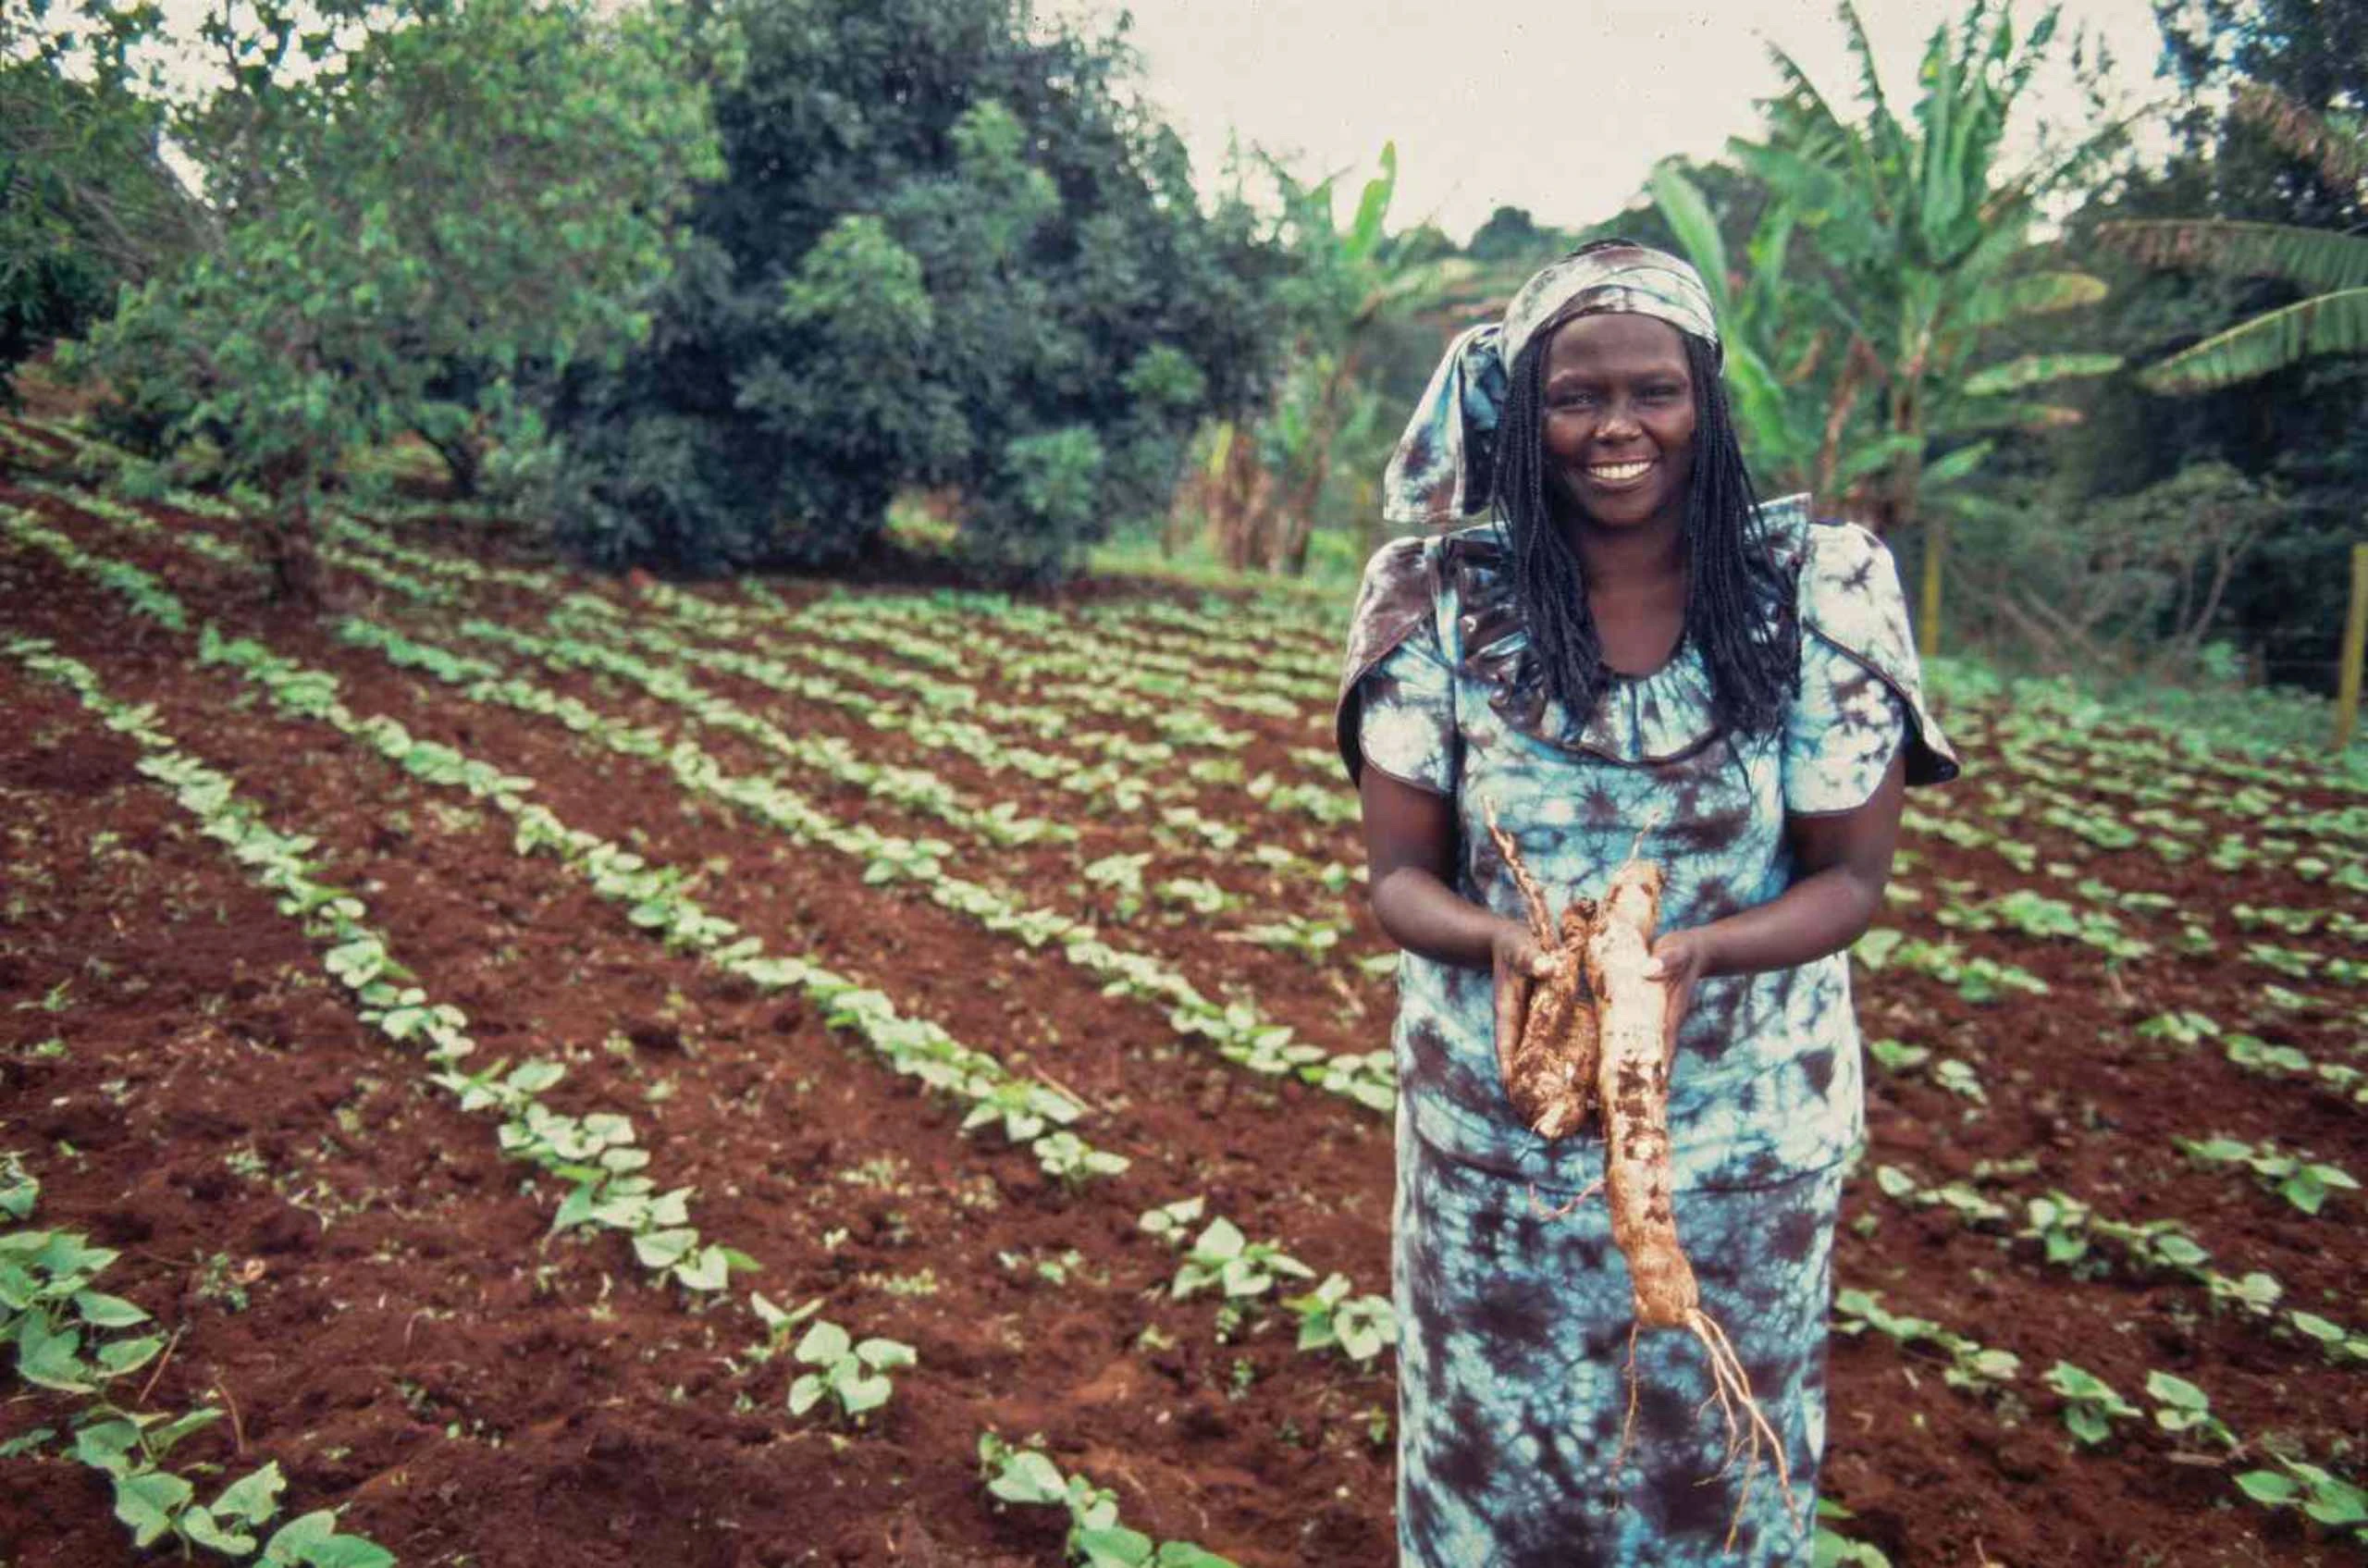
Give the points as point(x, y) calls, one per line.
point(573, 948)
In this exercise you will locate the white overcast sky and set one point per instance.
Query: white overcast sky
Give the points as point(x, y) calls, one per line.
point(1559, 108)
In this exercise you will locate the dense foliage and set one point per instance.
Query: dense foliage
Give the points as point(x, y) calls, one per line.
point(2297, 434)
point(458, 205)
point(946, 253)
point(86, 201)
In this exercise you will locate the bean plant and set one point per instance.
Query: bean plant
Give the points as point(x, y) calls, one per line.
point(851, 1373)
point(1096, 1539)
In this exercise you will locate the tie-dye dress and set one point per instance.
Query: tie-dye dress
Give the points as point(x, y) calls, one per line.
point(1512, 1384)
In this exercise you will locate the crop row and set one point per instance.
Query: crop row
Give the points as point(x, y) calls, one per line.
point(595, 1156)
point(73, 1339)
point(653, 895)
point(1237, 1029)
point(1025, 1110)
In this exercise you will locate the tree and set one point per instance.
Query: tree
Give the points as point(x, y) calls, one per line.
point(86, 201)
point(947, 251)
point(1926, 239)
point(492, 184)
point(2332, 317)
point(1348, 285)
point(2304, 426)
point(1511, 237)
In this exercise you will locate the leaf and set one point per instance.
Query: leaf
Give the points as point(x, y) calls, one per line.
point(1184, 1554)
point(1028, 1477)
point(664, 1249)
point(1116, 1546)
point(824, 1343)
point(2338, 1504)
point(577, 1207)
point(48, 1358)
point(2031, 293)
point(706, 1270)
point(1690, 219)
point(860, 1393)
point(1222, 1240)
point(312, 1541)
point(253, 1498)
point(162, 1439)
point(2318, 259)
point(25, 1443)
point(146, 1501)
point(1956, 465)
point(2314, 1325)
point(775, 1319)
point(2304, 1191)
point(107, 1446)
point(805, 1392)
point(2324, 324)
point(2176, 1391)
point(119, 1356)
point(884, 1354)
point(2032, 370)
point(201, 1526)
point(2271, 1487)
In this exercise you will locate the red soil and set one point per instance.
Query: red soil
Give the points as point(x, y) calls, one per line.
point(413, 1346)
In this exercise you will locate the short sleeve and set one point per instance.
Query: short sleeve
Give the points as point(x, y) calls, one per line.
point(1406, 723)
point(1862, 697)
point(1397, 613)
point(1841, 734)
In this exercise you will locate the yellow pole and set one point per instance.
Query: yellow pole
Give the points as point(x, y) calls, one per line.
point(1928, 633)
point(2355, 633)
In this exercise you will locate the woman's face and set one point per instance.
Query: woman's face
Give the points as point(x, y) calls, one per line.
point(1617, 411)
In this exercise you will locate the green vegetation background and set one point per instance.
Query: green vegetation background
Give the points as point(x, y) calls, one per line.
point(821, 284)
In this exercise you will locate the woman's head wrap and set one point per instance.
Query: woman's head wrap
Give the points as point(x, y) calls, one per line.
point(1445, 465)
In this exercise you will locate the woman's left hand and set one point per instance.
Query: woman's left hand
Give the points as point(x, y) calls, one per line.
point(1678, 958)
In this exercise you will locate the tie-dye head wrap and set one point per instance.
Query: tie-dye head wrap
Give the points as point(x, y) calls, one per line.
point(1445, 465)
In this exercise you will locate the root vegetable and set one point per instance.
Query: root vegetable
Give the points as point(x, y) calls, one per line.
point(1552, 1082)
point(1550, 1070)
point(1601, 950)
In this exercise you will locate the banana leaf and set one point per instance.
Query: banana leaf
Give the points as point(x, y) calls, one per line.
point(1956, 465)
point(2032, 293)
point(1872, 457)
point(1696, 228)
point(1972, 416)
point(2325, 323)
point(2316, 259)
point(2034, 370)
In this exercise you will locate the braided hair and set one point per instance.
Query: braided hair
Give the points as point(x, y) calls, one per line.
point(1739, 608)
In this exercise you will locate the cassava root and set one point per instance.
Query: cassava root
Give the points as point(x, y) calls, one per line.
point(1597, 1038)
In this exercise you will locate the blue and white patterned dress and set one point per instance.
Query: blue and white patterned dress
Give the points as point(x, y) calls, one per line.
point(1515, 1325)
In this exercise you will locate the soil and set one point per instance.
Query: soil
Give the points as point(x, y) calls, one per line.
point(348, 1263)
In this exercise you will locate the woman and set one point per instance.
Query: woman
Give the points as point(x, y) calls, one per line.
point(1630, 645)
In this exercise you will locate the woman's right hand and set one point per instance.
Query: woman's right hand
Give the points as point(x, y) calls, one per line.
point(1520, 961)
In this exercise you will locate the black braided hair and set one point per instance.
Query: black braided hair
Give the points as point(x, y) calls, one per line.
point(1739, 609)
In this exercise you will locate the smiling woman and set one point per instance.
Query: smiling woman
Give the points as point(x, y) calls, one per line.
point(1630, 658)
point(1618, 425)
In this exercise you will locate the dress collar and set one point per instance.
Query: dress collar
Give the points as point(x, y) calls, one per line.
point(1641, 720)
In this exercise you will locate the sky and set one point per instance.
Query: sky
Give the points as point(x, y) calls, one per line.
point(1561, 108)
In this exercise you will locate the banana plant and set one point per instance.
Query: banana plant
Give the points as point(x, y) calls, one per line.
point(2331, 319)
point(1917, 241)
point(1268, 481)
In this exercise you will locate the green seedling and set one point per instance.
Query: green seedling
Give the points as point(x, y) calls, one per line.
point(1222, 1256)
point(1362, 1327)
point(2091, 1405)
point(852, 1373)
point(2182, 1409)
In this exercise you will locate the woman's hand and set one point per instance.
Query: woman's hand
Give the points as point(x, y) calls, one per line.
point(1678, 958)
point(1520, 963)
